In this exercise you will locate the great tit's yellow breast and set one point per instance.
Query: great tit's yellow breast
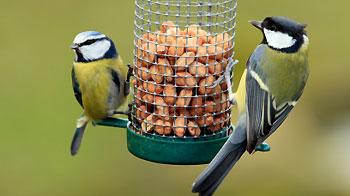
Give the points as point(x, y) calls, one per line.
point(240, 94)
point(287, 73)
point(95, 80)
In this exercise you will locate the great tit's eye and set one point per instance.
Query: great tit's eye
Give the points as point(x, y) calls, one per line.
point(273, 27)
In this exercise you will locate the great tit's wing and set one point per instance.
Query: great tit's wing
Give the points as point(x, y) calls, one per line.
point(263, 115)
point(76, 89)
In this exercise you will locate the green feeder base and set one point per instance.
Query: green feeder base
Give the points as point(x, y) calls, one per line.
point(173, 150)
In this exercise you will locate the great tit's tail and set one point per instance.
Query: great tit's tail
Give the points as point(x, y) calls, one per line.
point(210, 179)
point(78, 135)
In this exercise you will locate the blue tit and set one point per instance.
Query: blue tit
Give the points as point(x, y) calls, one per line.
point(98, 78)
point(274, 80)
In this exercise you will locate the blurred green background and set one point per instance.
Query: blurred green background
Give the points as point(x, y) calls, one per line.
point(310, 153)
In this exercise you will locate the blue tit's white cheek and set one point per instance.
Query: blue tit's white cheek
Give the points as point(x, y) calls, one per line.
point(279, 40)
point(96, 50)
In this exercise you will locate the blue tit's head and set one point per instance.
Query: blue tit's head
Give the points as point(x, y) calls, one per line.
point(282, 34)
point(93, 46)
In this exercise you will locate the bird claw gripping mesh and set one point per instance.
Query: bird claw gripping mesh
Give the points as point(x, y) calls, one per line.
point(183, 47)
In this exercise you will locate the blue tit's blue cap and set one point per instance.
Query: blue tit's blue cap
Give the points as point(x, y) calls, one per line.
point(87, 35)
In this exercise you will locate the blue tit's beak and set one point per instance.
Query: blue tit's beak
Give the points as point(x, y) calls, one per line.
point(74, 46)
point(256, 24)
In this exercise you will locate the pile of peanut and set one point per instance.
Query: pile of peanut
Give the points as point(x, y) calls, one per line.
point(174, 72)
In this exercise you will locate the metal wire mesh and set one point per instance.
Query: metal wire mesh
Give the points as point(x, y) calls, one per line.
point(181, 48)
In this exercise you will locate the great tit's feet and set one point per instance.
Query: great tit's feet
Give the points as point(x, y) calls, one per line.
point(217, 82)
point(264, 147)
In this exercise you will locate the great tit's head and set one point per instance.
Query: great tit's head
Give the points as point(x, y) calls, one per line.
point(282, 34)
point(92, 46)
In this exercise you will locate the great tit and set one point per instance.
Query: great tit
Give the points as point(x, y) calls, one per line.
point(270, 87)
point(98, 78)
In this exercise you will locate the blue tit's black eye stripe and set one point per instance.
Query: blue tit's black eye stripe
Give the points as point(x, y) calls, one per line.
point(90, 41)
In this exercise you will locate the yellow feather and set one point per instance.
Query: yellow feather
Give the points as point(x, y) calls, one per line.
point(95, 80)
point(240, 94)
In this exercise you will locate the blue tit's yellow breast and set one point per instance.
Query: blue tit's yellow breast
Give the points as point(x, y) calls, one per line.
point(95, 81)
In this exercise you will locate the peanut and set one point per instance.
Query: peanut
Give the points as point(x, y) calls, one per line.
point(144, 73)
point(167, 25)
point(184, 98)
point(161, 108)
point(156, 74)
point(161, 49)
point(209, 106)
point(214, 67)
point(148, 98)
point(217, 124)
point(185, 60)
point(148, 124)
point(139, 94)
point(179, 126)
point(185, 79)
point(205, 120)
point(197, 106)
point(165, 69)
point(152, 87)
point(193, 129)
point(170, 94)
point(149, 52)
point(150, 37)
point(163, 127)
point(205, 84)
point(193, 43)
point(197, 69)
point(223, 40)
point(141, 113)
point(177, 47)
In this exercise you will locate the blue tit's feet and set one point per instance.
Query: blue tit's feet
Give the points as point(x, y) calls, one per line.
point(127, 81)
point(127, 113)
point(264, 147)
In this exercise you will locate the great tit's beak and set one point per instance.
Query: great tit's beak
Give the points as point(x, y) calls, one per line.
point(74, 46)
point(256, 24)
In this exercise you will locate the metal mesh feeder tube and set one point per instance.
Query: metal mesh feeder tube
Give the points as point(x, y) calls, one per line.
point(180, 49)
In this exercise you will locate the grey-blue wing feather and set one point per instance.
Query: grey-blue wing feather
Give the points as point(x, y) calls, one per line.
point(76, 89)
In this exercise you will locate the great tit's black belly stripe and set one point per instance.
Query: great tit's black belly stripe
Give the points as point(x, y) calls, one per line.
point(76, 89)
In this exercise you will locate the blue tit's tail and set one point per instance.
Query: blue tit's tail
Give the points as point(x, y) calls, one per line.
point(209, 180)
point(78, 135)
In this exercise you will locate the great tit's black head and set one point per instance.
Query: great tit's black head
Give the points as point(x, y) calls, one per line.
point(92, 46)
point(281, 33)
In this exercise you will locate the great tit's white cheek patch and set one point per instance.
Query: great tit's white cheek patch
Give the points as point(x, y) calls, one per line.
point(279, 40)
point(96, 50)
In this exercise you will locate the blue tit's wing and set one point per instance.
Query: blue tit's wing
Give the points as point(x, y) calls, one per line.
point(76, 89)
point(116, 81)
point(263, 115)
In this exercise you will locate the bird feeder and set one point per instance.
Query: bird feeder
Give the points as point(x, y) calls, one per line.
point(181, 48)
